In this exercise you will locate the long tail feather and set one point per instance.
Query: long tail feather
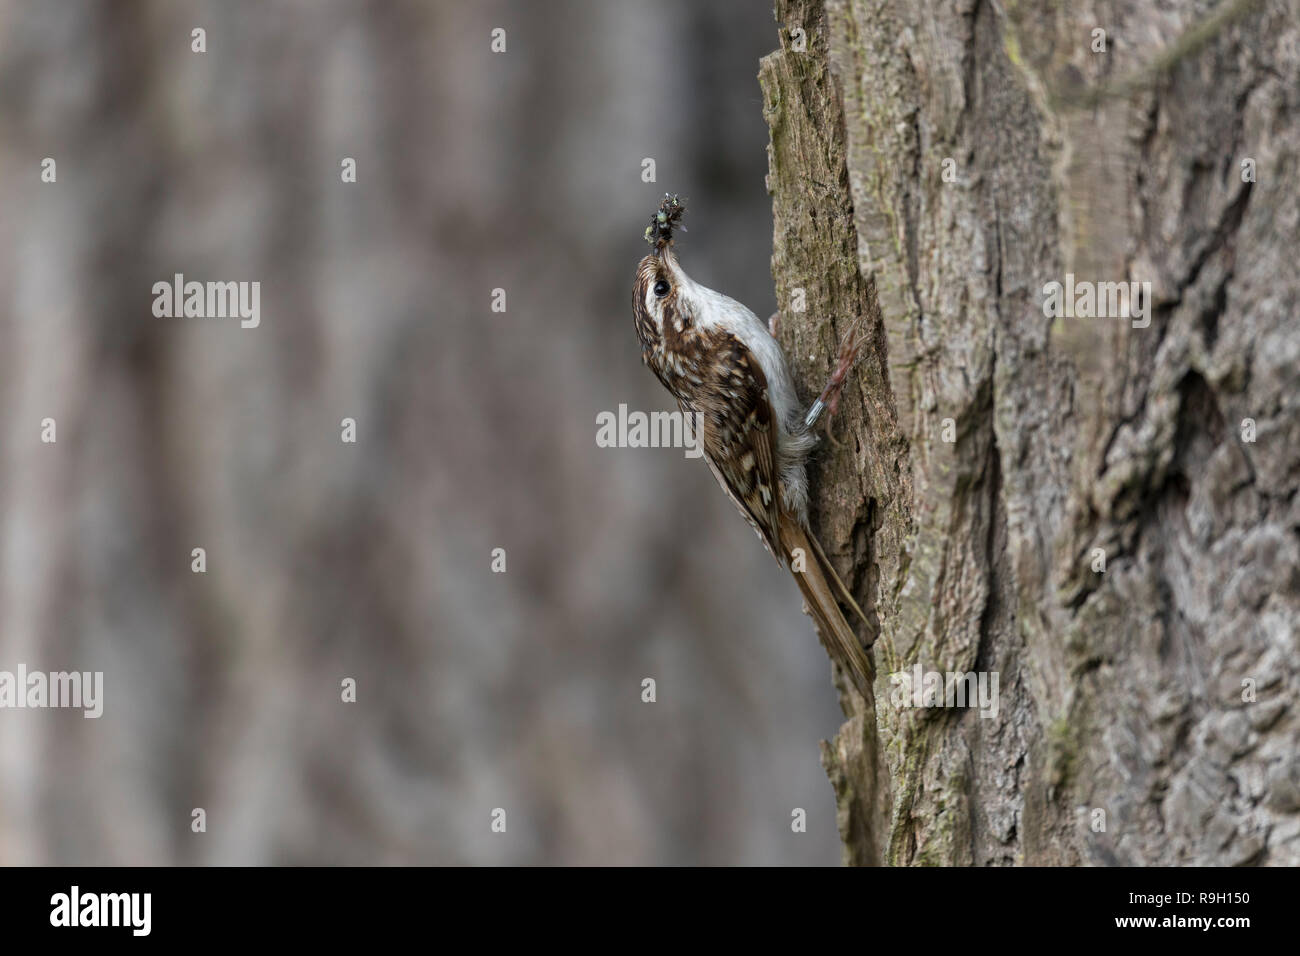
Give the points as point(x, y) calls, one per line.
point(820, 594)
point(841, 590)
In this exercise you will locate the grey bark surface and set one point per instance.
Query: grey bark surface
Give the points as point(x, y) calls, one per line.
point(1146, 711)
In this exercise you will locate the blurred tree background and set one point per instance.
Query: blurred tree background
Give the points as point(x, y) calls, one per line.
point(476, 430)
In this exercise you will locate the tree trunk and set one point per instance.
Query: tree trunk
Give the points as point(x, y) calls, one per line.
point(1100, 512)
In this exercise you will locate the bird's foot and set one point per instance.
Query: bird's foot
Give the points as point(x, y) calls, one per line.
point(829, 400)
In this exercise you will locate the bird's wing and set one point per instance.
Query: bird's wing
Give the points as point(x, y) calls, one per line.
point(739, 437)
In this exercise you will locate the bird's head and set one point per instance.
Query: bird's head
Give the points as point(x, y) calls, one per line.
point(662, 288)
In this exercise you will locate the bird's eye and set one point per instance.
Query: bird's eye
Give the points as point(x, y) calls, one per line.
point(661, 288)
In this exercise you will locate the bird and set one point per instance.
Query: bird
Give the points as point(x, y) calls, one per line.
point(727, 371)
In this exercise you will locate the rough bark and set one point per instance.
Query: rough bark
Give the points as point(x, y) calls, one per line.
point(1146, 711)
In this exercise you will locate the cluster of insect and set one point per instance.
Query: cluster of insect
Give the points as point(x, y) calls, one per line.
point(669, 217)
